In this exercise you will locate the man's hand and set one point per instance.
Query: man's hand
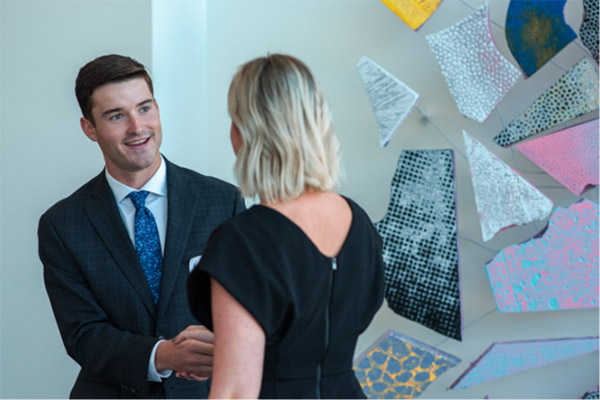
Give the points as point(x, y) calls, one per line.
point(190, 353)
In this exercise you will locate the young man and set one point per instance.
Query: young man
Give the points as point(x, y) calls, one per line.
point(117, 252)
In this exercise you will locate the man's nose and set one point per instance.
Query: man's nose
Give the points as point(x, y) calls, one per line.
point(135, 124)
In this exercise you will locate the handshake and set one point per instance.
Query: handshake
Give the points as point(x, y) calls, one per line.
point(189, 354)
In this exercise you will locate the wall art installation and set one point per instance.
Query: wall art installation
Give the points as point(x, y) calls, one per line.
point(503, 197)
point(536, 31)
point(391, 99)
point(507, 358)
point(396, 366)
point(589, 27)
point(413, 12)
point(419, 241)
point(570, 156)
point(574, 94)
point(555, 270)
point(477, 74)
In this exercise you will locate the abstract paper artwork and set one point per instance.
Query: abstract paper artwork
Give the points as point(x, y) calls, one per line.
point(507, 358)
point(502, 196)
point(589, 27)
point(570, 156)
point(535, 31)
point(413, 12)
point(574, 94)
point(391, 99)
point(399, 367)
point(419, 241)
point(477, 74)
point(555, 270)
point(591, 394)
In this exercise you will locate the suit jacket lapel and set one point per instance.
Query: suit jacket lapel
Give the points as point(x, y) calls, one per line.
point(104, 215)
point(183, 198)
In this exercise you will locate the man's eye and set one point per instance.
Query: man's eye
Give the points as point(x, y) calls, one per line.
point(145, 109)
point(116, 117)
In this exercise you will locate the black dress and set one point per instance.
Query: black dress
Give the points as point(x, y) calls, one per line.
point(311, 307)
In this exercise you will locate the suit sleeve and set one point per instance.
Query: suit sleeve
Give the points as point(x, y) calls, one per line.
point(238, 205)
point(114, 355)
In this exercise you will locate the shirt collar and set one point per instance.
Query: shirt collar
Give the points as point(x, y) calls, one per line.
point(157, 184)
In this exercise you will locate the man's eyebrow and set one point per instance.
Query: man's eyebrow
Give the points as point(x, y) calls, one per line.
point(118, 109)
point(112, 110)
point(145, 102)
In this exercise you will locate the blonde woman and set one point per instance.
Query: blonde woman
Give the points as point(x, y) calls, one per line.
point(288, 285)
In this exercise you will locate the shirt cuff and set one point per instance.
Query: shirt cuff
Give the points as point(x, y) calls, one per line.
point(153, 374)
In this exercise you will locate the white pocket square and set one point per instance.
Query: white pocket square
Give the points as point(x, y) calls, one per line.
point(194, 261)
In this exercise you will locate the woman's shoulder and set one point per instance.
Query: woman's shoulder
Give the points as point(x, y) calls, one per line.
point(250, 224)
point(358, 213)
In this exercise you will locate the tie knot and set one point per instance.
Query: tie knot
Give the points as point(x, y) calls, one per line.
point(138, 198)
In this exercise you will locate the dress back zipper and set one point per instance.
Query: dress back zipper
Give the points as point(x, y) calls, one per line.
point(331, 271)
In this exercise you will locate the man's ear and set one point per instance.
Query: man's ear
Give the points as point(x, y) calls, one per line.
point(88, 128)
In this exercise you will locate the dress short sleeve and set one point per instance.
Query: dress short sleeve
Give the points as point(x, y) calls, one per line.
point(236, 258)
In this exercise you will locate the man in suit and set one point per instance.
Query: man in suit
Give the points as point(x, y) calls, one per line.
point(117, 252)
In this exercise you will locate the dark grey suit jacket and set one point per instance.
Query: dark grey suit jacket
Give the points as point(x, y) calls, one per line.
point(98, 291)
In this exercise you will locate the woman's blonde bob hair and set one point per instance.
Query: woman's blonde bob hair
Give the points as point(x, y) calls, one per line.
point(288, 143)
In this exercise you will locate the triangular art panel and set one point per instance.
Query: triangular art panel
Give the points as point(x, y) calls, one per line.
point(413, 12)
point(477, 74)
point(391, 99)
point(591, 394)
point(555, 270)
point(399, 367)
point(419, 241)
point(504, 198)
point(574, 94)
point(570, 156)
point(536, 31)
point(589, 27)
point(507, 358)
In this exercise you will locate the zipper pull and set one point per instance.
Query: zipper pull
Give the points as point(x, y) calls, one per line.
point(333, 264)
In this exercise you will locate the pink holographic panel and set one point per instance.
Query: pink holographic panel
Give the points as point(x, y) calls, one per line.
point(503, 197)
point(569, 156)
point(477, 74)
point(507, 358)
point(553, 271)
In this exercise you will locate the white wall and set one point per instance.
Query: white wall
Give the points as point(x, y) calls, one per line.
point(44, 156)
point(44, 43)
point(179, 67)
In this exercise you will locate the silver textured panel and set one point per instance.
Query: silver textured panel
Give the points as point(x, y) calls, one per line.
point(477, 74)
point(574, 94)
point(391, 99)
point(504, 198)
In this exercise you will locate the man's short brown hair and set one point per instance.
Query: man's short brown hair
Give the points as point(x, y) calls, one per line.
point(112, 68)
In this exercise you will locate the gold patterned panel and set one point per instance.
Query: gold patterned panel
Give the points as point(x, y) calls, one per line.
point(399, 367)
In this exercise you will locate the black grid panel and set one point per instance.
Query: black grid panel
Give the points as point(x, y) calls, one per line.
point(419, 241)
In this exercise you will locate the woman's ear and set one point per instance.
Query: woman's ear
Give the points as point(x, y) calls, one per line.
point(236, 138)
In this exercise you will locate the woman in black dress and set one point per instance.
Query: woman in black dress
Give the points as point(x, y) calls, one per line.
point(288, 285)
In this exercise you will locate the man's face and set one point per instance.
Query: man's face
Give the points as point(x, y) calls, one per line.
point(127, 129)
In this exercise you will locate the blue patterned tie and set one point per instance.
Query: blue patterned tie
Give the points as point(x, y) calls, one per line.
point(147, 242)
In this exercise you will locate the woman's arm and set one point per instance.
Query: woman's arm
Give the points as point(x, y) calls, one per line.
point(239, 348)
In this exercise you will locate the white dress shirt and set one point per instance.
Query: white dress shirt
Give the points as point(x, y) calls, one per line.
point(157, 203)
